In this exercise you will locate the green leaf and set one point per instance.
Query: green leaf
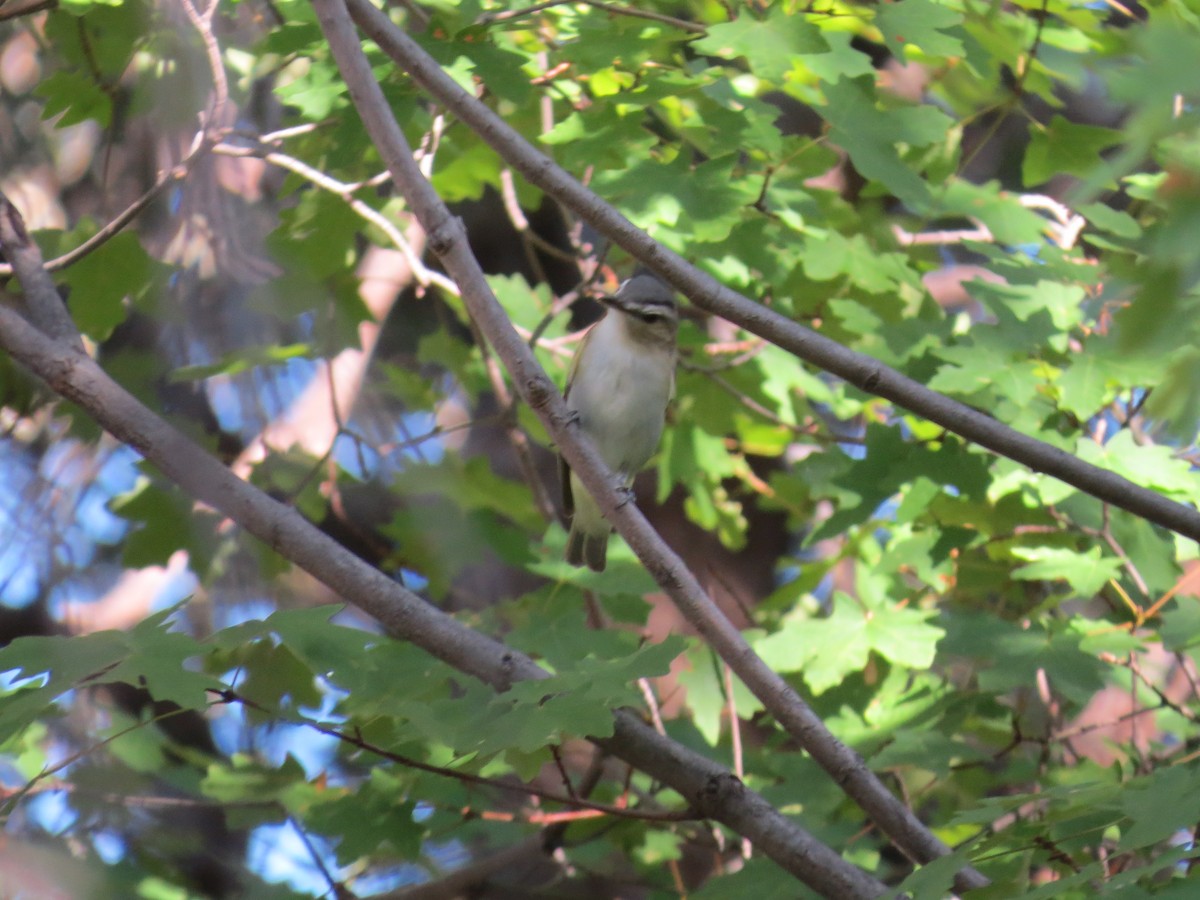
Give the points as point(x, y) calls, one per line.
point(889, 464)
point(984, 368)
point(832, 255)
point(593, 673)
point(316, 93)
point(525, 306)
point(871, 136)
point(58, 664)
point(827, 650)
point(701, 200)
point(101, 282)
point(1176, 401)
point(168, 522)
point(274, 681)
point(1064, 148)
point(149, 656)
point(1110, 220)
point(75, 97)
point(771, 43)
point(1009, 656)
point(245, 780)
point(935, 879)
point(704, 681)
point(922, 24)
point(1086, 572)
point(1160, 805)
point(105, 283)
point(1060, 303)
point(375, 818)
point(244, 360)
point(1180, 627)
point(599, 137)
point(159, 660)
point(1006, 218)
point(464, 169)
point(315, 240)
point(1084, 386)
point(1148, 465)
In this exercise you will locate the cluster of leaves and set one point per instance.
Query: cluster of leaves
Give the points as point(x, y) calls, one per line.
point(948, 613)
point(414, 735)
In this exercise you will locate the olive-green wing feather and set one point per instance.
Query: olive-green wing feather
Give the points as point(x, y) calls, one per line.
point(564, 470)
point(564, 477)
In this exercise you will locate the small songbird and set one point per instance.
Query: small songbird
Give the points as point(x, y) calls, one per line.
point(621, 380)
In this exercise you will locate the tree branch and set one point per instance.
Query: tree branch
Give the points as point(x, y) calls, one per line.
point(447, 238)
point(528, 790)
point(39, 298)
point(858, 369)
point(611, 8)
point(423, 274)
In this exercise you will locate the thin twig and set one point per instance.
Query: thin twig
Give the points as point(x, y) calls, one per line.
point(516, 217)
point(422, 273)
point(114, 227)
point(1131, 663)
point(906, 238)
point(12, 799)
point(218, 110)
point(1109, 538)
point(652, 705)
point(509, 15)
point(743, 398)
point(562, 772)
point(530, 239)
point(1025, 63)
point(340, 891)
point(356, 739)
point(735, 732)
point(1064, 228)
point(429, 145)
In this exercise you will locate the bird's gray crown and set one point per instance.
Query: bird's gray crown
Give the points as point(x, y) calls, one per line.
point(645, 294)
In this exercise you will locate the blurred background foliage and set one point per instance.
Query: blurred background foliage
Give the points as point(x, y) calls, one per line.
point(1001, 200)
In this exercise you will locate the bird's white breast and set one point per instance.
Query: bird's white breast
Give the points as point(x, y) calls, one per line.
point(620, 391)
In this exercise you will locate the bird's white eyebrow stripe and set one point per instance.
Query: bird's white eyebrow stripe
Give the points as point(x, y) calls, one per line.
point(651, 301)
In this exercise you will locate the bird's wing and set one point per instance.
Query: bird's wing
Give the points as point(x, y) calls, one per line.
point(564, 470)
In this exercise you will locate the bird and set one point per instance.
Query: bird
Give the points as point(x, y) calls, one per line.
point(621, 380)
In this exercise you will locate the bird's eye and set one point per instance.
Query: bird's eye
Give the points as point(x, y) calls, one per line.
point(649, 318)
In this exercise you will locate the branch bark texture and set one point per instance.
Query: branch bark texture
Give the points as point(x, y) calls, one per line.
point(858, 369)
point(40, 300)
point(448, 239)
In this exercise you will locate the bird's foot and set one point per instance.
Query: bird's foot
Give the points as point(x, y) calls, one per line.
point(626, 493)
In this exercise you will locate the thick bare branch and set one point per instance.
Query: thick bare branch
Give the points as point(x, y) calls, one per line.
point(858, 369)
